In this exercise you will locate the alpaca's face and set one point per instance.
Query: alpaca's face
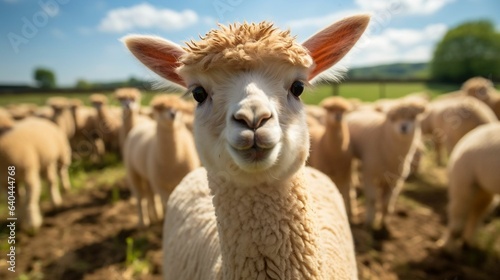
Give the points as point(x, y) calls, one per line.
point(167, 113)
point(479, 92)
point(335, 116)
point(57, 110)
point(404, 120)
point(251, 127)
point(97, 104)
point(336, 108)
point(478, 87)
point(129, 103)
point(403, 126)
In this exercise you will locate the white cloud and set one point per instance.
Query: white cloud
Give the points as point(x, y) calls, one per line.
point(382, 12)
point(413, 7)
point(146, 16)
point(410, 37)
point(397, 45)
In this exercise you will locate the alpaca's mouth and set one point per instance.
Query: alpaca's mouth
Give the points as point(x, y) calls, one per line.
point(254, 149)
point(255, 153)
point(255, 158)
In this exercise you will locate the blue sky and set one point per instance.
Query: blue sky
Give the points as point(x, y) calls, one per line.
point(80, 39)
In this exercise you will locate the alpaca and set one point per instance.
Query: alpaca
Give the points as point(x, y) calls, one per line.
point(6, 120)
point(43, 112)
point(479, 88)
point(130, 100)
point(61, 115)
point(483, 90)
point(473, 182)
point(330, 151)
point(21, 111)
point(254, 211)
point(158, 155)
point(86, 142)
point(383, 105)
point(448, 120)
point(108, 122)
point(385, 143)
point(34, 147)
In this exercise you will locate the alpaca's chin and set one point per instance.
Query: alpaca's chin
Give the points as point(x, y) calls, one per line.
point(255, 159)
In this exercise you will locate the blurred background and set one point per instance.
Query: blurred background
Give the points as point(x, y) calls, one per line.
point(72, 49)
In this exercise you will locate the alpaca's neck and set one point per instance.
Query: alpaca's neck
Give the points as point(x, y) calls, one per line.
point(266, 231)
point(58, 117)
point(75, 118)
point(62, 118)
point(103, 113)
point(167, 140)
point(129, 119)
point(337, 135)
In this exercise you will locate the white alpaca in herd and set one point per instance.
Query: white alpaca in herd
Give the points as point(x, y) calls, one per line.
point(254, 211)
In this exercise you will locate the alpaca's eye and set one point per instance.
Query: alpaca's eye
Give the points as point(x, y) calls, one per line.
point(199, 94)
point(297, 88)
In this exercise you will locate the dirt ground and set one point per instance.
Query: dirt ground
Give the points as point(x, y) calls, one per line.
point(94, 236)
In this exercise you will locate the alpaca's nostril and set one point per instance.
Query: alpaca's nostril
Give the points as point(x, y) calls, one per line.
point(172, 113)
point(252, 122)
point(404, 128)
point(253, 113)
point(262, 120)
point(242, 120)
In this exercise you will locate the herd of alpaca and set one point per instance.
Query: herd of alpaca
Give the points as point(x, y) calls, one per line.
point(251, 183)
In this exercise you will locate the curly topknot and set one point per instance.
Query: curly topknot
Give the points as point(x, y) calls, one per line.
point(244, 45)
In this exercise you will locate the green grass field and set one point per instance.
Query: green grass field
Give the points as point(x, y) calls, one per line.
point(373, 91)
point(363, 91)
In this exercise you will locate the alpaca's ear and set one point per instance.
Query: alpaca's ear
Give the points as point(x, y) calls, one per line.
point(329, 45)
point(159, 55)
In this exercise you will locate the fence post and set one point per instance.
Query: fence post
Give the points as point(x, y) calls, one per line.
point(381, 90)
point(335, 89)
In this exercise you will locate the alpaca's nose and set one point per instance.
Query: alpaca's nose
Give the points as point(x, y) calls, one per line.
point(405, 128)
point(252, 113)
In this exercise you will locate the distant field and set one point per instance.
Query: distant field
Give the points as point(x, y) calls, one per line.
point(374, 91)
point(363, 91)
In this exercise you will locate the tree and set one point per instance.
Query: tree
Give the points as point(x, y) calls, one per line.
point(45, 78)
point(468, 50)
